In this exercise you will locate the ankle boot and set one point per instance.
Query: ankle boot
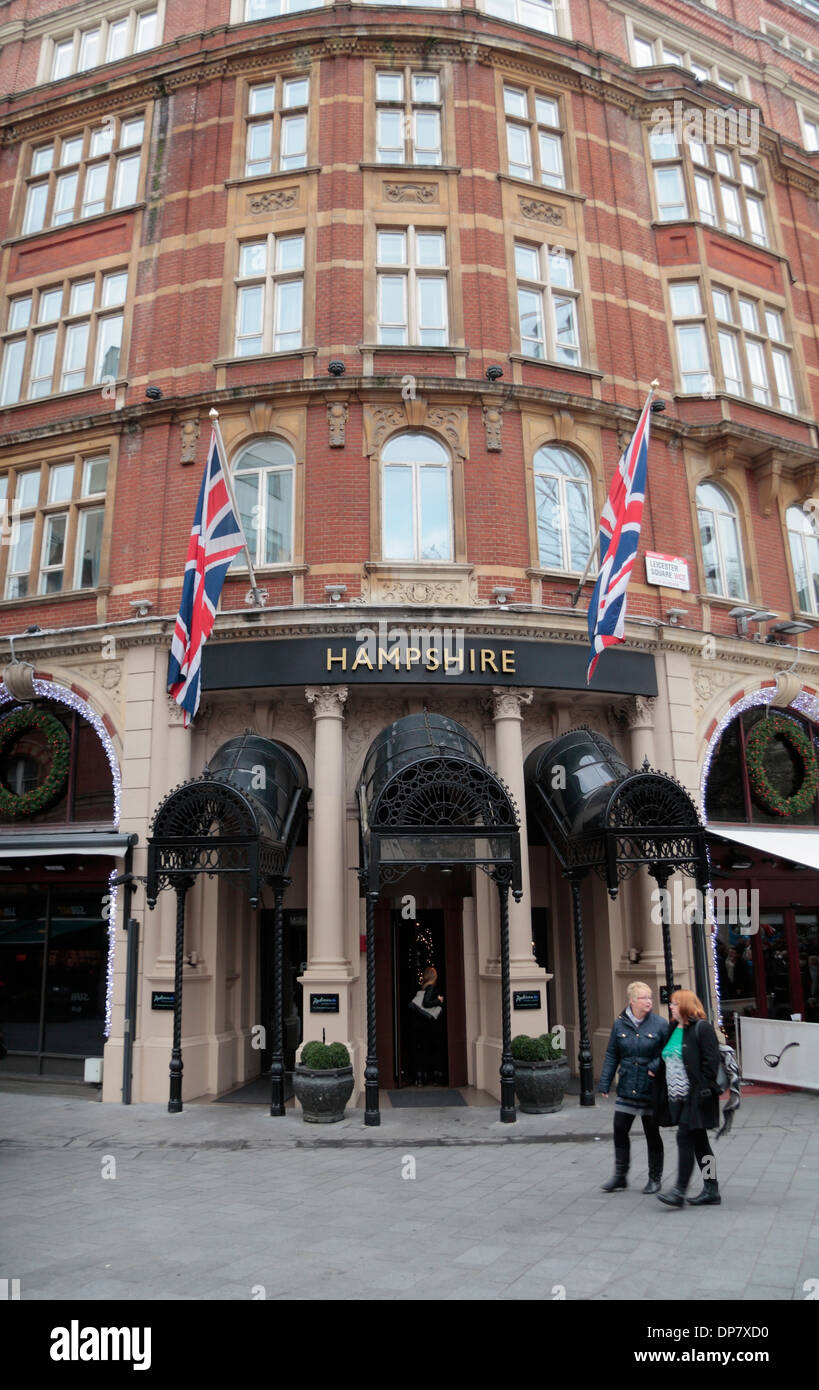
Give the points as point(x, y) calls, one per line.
point(674, 1198)
point(654, 1183)
point(709, 1197)
point(618, 1181)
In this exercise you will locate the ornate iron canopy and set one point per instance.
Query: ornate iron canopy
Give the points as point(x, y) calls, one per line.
point(241, 816)
point(426, 797)
point(598, 814)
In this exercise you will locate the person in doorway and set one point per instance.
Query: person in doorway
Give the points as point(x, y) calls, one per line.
point(427, 1010)
point(634, 1042)
point(687, 1095)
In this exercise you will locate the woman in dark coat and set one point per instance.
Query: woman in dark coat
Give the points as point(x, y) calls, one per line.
point(687, 1095)
point(635, 1040)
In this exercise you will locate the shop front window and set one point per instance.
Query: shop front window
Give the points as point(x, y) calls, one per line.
point(53, 959)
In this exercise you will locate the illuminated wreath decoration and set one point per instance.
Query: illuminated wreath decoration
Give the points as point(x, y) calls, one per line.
point(50, 789)
point(766, 794)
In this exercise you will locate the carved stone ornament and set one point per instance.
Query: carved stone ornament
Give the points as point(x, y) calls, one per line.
point(189, 430)
point(411, 192)
point(537, 211)
point(327, 700)
point(275, 200)
point(421, 593)
point(635, 712)
point(448, 421)
point(176, 714)
point(383, 420)
point(492, 421)
point(18, 678)
point(337, 420)
point(507, 704)
point(707, 683)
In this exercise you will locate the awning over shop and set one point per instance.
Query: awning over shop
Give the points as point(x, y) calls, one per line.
point(795, 843)
point(47, 844)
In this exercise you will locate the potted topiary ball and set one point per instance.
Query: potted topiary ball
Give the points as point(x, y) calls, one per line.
point(541, 1073)
point(323, 1082)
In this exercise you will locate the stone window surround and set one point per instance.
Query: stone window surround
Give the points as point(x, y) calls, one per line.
point(92, 14)
point(45, 457)
point(36, 142)
point(706, 280)
point(84, 271)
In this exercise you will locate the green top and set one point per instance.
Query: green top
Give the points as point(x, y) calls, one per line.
point(674, 1044)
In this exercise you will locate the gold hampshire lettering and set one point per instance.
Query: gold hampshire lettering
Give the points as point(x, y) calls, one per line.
point(403, 658)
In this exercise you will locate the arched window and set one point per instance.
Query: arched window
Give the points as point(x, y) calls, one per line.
point(719, 538)
point(563, 506)
point(263, 477)
point(416, 514)
point(804, 544)
point(55, 766)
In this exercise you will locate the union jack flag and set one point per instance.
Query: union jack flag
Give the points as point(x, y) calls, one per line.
point(216, 537)
point(619, 538)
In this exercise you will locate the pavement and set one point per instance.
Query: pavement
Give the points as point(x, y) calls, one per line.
point(225, 1202)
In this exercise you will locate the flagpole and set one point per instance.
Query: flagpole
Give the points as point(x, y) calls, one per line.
point(595, 550)
point(258, 594)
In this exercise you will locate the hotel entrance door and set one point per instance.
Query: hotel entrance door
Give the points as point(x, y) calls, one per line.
point(414, 1049)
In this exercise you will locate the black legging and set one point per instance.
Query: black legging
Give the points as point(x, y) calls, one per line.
point(691, 1142)
point(622, 1145)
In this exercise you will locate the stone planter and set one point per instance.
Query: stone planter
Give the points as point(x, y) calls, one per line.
point(541, 1086)
point(323, 1094)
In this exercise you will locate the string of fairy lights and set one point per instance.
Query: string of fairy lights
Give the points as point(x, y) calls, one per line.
point(49, 690)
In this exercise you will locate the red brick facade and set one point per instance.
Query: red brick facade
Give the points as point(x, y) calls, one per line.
point(178, 245)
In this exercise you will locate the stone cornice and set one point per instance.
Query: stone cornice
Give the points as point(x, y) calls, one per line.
point(744, 440)
point(533, 625)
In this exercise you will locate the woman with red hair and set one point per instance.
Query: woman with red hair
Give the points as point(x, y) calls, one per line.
point(686, 1079)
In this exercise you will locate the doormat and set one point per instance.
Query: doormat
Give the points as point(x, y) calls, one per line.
point(256, 1092)
point(424, 1098)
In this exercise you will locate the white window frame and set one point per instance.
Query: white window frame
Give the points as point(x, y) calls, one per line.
point(36, 514)
point(63, 169)
point(547, 291)
point(260, 561)
point(692, 61)
point(750, 325)
point(562, 507)
point(412, 273)
point(408, 108)
point(800, 537)
point(535, 128)
point(416, 468)
point(731, 511)
point(96, 317)
point(809, 126)
point(277, 118)
point(271, 279)
point(545, 16)
point(59, 39)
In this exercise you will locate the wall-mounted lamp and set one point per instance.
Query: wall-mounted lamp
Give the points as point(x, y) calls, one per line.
point(502, 594)
point(141, 607)
point(676, 615)
point(789, 628)
point(335, 591)
point(744, 616)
